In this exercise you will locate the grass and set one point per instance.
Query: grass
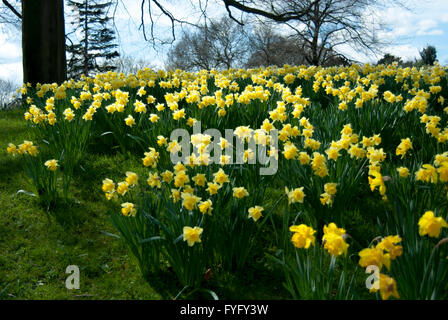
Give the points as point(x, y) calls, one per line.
point(35, 251)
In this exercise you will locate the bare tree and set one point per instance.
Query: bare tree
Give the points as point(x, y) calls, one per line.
point(222, 44)
point(270, 48)
point(6, 92)
point(129, 64)
point(192, 52)
point(323, 27)
point(275, 10)
point(331, 24)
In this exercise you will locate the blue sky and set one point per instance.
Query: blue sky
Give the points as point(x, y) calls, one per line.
point(410, 30)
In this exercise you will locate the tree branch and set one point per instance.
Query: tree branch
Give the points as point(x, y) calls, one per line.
point(278, 17)
point(12, 9)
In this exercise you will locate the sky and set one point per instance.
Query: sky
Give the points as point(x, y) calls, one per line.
point(424, 23)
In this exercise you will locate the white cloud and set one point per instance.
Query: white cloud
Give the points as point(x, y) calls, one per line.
point(10, 58)
point(421, 19)
point(435, 32)
point(11, 49)
point(406, 52)
point(10, 52)
point(12, 72)
point(424, 28)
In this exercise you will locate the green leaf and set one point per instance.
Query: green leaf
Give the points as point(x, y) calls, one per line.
point(111, 234)
point(213, 294)
point(25, 192)
point(152, 239)
point(135, 138)
point(179, 238)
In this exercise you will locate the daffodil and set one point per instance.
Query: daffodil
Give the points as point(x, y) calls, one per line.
point(334, 240)
point(206, 206)
point(108, 185)
point(403, 172)
point(122, 188)
point(303, 236)
point(181, 178)
point(11, 149)
point(128, 209)
point(295, 195)
point(431, 225)
point(220, 177)
point(189, 200)
point(427, 174)
point(154, 180)
point(255, 212)
point(391, 245)
point(331, 188)
point(378, 181)
point(192, 235)
point(131, 178)
point(130, 121)
point(290, 151)
point(167, 176)
point(213, 188)
point(374, 256)
point(240, 192)
point(199, 179)
point(387, 287)
point(52, 165)
point(403, 147)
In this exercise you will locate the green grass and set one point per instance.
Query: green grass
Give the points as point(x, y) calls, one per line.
point(35, 251)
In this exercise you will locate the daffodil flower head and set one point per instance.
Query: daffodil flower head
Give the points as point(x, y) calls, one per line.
point(128, 209)
point(52, 165)
point(255, 212)
point(334, 240)
point(240, 192)
point(431, 225)
point(131, 178)
point(303, 236)
point(192, 235)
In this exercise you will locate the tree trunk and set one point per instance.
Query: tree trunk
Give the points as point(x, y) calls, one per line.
point(43, 41)
point(86, 39)
point(316, 30)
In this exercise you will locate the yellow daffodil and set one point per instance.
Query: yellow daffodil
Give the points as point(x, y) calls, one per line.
point(52, 165)
point(128, 209)
point(192, 235)
point(431, 225)
point(255, 212)
point(303, 236)
point(240, 192)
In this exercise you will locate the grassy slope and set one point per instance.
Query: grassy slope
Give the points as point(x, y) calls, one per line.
point(34, 252)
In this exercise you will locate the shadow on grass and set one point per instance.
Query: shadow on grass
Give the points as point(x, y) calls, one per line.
point(164, 283)
point(256, 282)
point(10, 167)
point(12, 132)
